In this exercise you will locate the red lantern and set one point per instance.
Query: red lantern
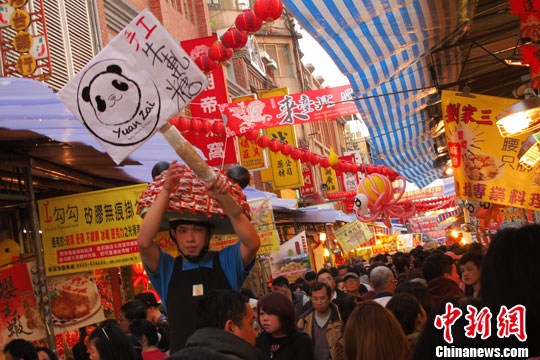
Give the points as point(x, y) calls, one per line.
point(206, 64)
point(218, 128)
point(219, 53)
point(207, 126)
point(234, 38)
point(196, 125)
point(268, 10)
point(315, 159)
point(251, 135)
point(263, 141)
point(325, 163)
point(306, 156)
point(286, 149)
point(275, 145)
point(184, 124)
point(296, 154)
point(337, 166)
point(247, 21)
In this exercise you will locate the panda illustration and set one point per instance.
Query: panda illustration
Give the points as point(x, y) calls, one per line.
point(115, 98)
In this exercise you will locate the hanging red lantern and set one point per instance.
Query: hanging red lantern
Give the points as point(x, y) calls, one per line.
point(286, 149)
point(325, 163)
point(315, 159)
point(247, 21)
point(218, 128)
point(234, 38)
point(196, 125)
point(275, 145)
point(263, 141)
point(268, 10)
point(207, 126)
point(219, 53)
point(337, 166)
point(206, 64)
point(184, 123)
point(306, 156)
point(296, 154)
point(251, 135)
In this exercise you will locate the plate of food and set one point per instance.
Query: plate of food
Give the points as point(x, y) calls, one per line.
point(74, 299)
point(482, 167)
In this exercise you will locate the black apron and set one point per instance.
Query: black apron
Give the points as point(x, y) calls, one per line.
point(182, 305)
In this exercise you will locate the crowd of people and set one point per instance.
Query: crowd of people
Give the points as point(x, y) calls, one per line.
point(399, 306)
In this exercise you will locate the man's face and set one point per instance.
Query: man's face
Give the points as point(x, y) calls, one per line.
point(470, 273)
point(248, 332)
point(327, 279)
point(191, 239)
point(342, 272)
point(320, 300)
point(352, 285)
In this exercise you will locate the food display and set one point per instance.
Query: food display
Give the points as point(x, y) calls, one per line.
point(74, 298)
point(479, 167)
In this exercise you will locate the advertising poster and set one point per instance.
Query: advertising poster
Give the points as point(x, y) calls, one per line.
point(19, 314)
point(93, 230)
point(75, 301)
point(353, 235)
point(250, 154)
point(486, 165)
point(292, 259)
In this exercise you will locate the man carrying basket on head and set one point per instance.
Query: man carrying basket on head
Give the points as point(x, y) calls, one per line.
point(181, 198)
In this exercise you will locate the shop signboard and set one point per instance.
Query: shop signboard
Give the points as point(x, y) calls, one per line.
point(486, 165)
point(293, 109)
point(217, 148)
point(308, 189)
point(329, 179)
point(19, 314)
point(292, 259)
point(353, 235)
point(133, 86)
point(93, 230)
point(250, 154)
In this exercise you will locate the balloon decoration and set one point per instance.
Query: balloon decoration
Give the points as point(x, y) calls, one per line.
point(489, 214)
point(377, 194)
point(139, 276)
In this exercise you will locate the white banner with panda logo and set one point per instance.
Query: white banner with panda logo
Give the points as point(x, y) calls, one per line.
point(133, 86)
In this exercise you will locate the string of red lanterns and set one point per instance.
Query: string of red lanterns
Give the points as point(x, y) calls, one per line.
point(439, 203)
point(246, 23)
point(217, 127)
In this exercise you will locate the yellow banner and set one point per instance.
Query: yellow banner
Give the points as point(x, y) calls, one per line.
point(329, 179)
point(251, 155)
point(486, 165)
point(93, 230)
point(353, 235)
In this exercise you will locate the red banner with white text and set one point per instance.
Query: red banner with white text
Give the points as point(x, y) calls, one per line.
point(309, 106)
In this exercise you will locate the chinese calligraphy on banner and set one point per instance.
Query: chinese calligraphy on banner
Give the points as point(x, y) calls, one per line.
point(217, 149)
point(285, 172)
point(486, 165)
point(315, 105)
point(94, 230)
point(19, 314)
point(329, 178)
point(292, 259)
point(133, 86)
point(353, 235)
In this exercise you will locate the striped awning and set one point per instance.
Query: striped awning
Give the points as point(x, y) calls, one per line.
point(396, 54)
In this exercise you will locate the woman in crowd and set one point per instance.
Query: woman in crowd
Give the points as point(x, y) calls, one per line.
point(44, 353)
point(373, 333)
point(147, 334)
point(80, 350)
point(280, 338)
point(110, 343)
point(410, 315)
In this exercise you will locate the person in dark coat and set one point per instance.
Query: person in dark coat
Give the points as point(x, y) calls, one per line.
point(280, 338)
point(440, 272)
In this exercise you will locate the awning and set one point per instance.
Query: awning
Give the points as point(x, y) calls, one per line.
point(395, 54)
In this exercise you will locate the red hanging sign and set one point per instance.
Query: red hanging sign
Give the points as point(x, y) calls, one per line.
point(309, 106)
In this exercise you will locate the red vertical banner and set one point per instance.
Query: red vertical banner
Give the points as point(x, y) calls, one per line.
point(308, 189)
point(217, 148)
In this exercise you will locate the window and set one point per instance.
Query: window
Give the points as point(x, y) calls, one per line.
point(281, 53)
